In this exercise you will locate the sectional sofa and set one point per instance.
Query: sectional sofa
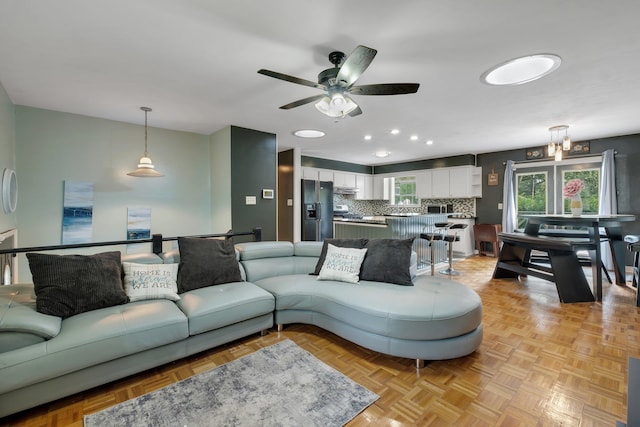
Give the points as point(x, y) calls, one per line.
point(45, 357)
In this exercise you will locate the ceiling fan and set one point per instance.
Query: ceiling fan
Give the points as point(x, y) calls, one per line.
point(338, 83)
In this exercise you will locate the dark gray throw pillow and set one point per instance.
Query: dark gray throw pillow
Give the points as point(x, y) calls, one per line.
point(388, 260)
point(206, 262)
point(341, 243)
point(66, 285)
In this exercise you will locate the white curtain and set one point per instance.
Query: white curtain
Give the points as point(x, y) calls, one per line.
point(607, 200)
point(509, 216)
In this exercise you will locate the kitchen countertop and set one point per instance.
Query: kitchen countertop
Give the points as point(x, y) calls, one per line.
point(380, 219)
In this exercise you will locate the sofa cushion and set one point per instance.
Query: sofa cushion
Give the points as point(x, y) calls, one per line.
point(214, 307)
point(20, 323)
point(66, 285)
point(388, 260)
point(342, 243)
point(206, 262)
point(95, 337)
point(432, 309)
point(342, 264)
point(150, 281)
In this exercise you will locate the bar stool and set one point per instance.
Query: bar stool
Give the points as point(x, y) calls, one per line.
point(450, 238)
point(633, 244)
point(437, 233)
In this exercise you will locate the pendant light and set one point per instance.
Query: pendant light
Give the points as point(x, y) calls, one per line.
point(145, 166)
point(557, 146)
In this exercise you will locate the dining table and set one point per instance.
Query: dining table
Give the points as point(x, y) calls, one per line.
point(591, 224)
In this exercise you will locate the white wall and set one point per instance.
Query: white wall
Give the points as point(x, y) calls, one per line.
point(52, 147)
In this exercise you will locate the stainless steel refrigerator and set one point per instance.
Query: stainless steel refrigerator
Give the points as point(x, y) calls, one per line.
point(317, 210)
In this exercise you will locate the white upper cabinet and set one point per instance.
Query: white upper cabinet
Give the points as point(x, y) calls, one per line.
point(364, 184)
point(381, 187)
point(424, 187)
point(344, 180)
point(310, 173)
point(457, 182)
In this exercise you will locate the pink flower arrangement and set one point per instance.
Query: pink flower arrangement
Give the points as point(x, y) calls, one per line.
point(573, 187)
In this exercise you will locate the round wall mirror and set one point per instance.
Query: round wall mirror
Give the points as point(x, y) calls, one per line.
point(9, 191)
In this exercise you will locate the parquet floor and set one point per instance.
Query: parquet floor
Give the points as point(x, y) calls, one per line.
point(541, 363)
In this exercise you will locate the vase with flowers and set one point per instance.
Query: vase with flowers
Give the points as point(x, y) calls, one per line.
point(572, 190)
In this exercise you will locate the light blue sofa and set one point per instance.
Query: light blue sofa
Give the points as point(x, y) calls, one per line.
point(43, 358)
point(435, 319)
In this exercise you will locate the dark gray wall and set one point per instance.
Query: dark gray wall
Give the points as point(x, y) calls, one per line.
point(315, 162)
point(445, 162)
point(627, 161)
point(253, 168)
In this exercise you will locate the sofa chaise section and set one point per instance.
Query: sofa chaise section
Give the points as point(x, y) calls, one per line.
point(431, 320)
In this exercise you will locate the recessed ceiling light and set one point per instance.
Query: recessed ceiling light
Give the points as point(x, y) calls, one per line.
point(429, 142)
point(309, 133)
point(382, 153)
point(395, 131)
point(367, 137)
point(521, 70)
point(414, 137)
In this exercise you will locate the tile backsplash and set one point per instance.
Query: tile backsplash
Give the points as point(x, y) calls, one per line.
point(382, 207)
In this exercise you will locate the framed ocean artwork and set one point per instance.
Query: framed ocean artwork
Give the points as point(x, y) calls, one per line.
point(138, 223)
point(77, 215)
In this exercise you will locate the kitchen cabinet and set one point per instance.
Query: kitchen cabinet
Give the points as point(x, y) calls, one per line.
point(344, 180)
point(457, 182)
point(364, 184)
point(310, 173)
point(325, 175)
point(424, 186)
point(465, 247)
point(381, 190)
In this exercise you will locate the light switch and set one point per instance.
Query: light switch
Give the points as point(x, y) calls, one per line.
point(289, 202)
point(250, 200)
point(499, 205)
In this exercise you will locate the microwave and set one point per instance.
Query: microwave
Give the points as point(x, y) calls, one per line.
point(436, 209)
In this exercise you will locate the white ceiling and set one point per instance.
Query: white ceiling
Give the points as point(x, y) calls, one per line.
point(195, 63)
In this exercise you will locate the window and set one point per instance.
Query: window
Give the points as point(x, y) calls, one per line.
point(404, 191)
point(539, 187)
point(531, 194)
point(589, 196)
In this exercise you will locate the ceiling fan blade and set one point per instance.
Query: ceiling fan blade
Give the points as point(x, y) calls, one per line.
point(302, 102)
point(354, 65)
point(356, 112)
point(291, 79)
point(385, 89)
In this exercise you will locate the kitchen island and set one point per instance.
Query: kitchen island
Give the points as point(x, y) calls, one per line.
point(400, 226)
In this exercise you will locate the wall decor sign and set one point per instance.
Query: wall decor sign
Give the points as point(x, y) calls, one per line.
point(580, 147)
point(536, 153)
point(492, 178)
point(77, 215)
point(138, 223)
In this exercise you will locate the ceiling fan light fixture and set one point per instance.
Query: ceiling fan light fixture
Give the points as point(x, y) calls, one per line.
point(338, 105)
point(521, 70)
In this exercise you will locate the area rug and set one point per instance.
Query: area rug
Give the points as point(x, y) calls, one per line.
point(280, 385)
